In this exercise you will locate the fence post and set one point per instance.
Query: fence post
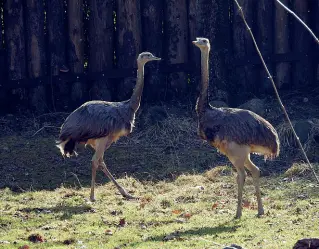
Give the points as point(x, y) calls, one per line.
point(152, 18)
point(214, 23)
point(176, 44)
point(194, 52)
point(101, 51)
point(283, 76)
point(36, 52)
point(56, 24)
point(128, 29)
point(303, 69)
point(245, 83)
point(76, 48)
point(264, 33)
point(15, 47)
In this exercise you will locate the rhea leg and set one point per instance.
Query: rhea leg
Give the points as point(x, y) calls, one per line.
point(95, 166)
point(123, 192)
point(237, 154)
point(255, 172)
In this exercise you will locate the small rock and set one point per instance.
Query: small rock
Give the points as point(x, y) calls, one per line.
point(218, 103)
point(254, 105)
point(108, 232)
point(233, 246)
point(312, 243)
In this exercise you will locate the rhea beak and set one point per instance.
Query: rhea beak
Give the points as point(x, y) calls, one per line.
point(194, 42)
point(156, 58)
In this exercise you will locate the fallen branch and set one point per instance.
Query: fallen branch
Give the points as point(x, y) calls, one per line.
point(299, 19)
point(276, 91)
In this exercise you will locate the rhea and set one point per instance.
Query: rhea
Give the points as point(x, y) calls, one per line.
point(100, 123)
point(236, 133)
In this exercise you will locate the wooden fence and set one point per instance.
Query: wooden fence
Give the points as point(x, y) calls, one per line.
point(97, 42)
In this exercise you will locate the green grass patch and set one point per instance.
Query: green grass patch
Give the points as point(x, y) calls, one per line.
point(191, 212)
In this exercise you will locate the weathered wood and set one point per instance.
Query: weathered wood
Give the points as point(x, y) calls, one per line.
point(128, 28)
point(244, 78)
point(265, 41)
point(214, 23)
point(194, 52)
point(76, 48)
point(56, 25)
point(303, 70)
point(101, 49)
point(283, 73)
point(176, 44)
point(15, 46)
point(35, 48)
point(152, 27)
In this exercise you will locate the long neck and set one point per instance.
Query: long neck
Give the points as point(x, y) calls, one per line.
point(138, 90)
point(202, 101)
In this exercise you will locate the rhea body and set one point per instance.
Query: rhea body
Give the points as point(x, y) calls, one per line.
point(100, 123)
point(236, 133)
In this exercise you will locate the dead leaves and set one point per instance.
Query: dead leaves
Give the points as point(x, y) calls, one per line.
point(36, 238)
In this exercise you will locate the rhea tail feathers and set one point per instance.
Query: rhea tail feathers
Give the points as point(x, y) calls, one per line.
point(67, 147)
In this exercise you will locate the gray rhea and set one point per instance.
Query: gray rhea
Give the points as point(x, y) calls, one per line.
point(234, 132)
point(100, 123)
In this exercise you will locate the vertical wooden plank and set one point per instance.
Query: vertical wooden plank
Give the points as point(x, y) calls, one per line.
point(245, 77)
point(264, 32)
point(101, 51)
point(214, 23)
point(15, 47)
point(128, 41)
point(194, 52)
point(76, 49)
point(303, 70)
point(176, 44)
point(36, 52)
point(152, 28)
point(56, 25)
point(283, 69)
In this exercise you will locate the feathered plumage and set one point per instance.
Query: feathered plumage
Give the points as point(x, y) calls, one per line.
point(234, 132)
point(100, 123)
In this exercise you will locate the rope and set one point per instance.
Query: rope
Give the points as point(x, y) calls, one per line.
point(276, 92)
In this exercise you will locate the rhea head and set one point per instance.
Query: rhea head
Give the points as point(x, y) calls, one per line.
point(145, 57)
point(202, 43)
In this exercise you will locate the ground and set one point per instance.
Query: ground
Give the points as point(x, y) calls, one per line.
point(163, 161)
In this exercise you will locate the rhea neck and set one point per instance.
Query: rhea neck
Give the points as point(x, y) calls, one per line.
point(202, 101)
point(138, 90)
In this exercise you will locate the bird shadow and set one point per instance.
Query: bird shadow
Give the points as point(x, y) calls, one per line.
point(61, 211)
point(226, 227)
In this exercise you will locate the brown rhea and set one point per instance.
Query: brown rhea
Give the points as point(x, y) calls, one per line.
point(100, 123)
point(234, 132)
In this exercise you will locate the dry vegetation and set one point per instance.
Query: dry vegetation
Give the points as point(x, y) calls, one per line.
point(188, 190)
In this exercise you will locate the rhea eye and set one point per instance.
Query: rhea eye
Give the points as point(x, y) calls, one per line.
point(204, 41)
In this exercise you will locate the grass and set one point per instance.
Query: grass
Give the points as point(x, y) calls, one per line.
point(193, 211)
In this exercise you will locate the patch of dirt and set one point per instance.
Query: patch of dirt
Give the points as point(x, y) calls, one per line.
point(163, 144)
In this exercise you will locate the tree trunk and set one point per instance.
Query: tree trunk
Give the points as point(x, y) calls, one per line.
point(56, 21)
point(245, 84)
point(129, 43)
point(283, 73)
point(101, 52)
point(15, 47)
point(36, 52)
point(152, 18)
point(214, 23)
point(265, 41)
point(303, 69)
point(76, 48)
point(176, 43)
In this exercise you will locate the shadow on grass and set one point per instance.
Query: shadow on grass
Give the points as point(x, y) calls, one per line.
point(227, 227)
point(62, 210)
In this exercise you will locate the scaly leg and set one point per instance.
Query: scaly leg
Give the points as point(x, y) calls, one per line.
point(123, 192)
point(237, 154)
point(94, 168)
point(255, 172)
